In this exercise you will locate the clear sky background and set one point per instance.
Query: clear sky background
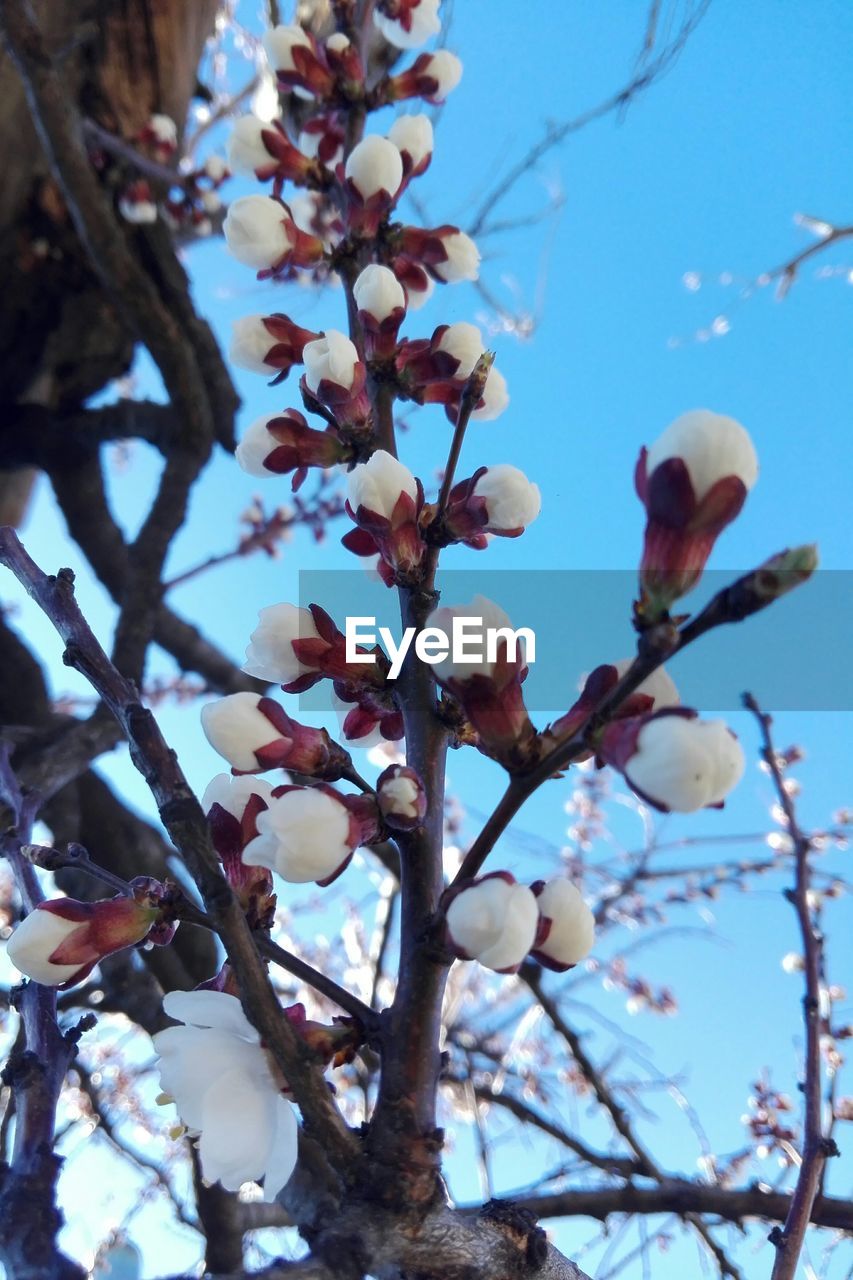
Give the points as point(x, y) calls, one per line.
point(703, 174)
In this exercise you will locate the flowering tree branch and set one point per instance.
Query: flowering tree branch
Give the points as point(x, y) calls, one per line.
point(184, 821)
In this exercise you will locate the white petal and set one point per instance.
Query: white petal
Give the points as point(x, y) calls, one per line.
point(210, 1009)
point(238, 1126)
point(282, 1157)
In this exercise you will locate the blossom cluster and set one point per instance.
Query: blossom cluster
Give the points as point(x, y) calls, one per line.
point(330, 209)
point(192, 200)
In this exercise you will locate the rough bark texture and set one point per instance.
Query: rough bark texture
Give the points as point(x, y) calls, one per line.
point(60, 337)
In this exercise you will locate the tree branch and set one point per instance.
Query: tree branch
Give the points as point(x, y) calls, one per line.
point(186, 824)
point(816, 1146)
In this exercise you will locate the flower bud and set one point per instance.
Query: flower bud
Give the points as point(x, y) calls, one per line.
point(164, 130)
point(435, 371)
point(656, 692)
point(260, 233)
point(431, 76)
point(367, 716)
point(374, 173)
point(569, 930)
point(336, 376)
point(401, 797)
point(511, 501)
point(343, 58)
point(277, 444)
point(294, 56)
point(413, 138)
point(486, 676)
point(322, 138)
point(447, 253)
point(693, 482)
point(136, 204)
point(231, 806)
point(268, 344)
point(335, 1045)
point(449, 356)
point(309, 833)
point(418, 283)
point(379, 294)
point(296, 647)
point(385, 501)
point(60, 942)
point(493, 920)
point(381, 306)
point(407, 23)
point(255, 733)
point(264, 149)
point(499, 500)
point(673, 759)
point(216, 169)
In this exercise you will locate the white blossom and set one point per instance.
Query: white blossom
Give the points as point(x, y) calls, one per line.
point(463, 259)
point(304, 835)
point(225, 1091)
point(332, 358)
point(256, 230)
point(512, 501)
point(685, 764)
point(414, 135)
point(236, 728)
point(246, 149)
point(374, 165)
point(378, 291)
point(425, 22)
point(250, 343)
point(377, 484)
point(495, 922)
point(711, 447)
point(270, 653)
point(572, 931)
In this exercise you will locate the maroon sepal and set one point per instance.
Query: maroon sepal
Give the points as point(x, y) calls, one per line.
point(310, 71)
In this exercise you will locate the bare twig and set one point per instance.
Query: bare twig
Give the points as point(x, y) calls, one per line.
point(555, 134)
point(817, 1147)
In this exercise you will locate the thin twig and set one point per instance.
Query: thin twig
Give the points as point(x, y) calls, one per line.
point(817, 1147)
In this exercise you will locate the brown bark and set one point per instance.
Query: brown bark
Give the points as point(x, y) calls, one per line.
point(59, 331)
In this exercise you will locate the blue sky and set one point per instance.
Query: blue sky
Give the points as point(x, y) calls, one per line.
point(704, 173)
